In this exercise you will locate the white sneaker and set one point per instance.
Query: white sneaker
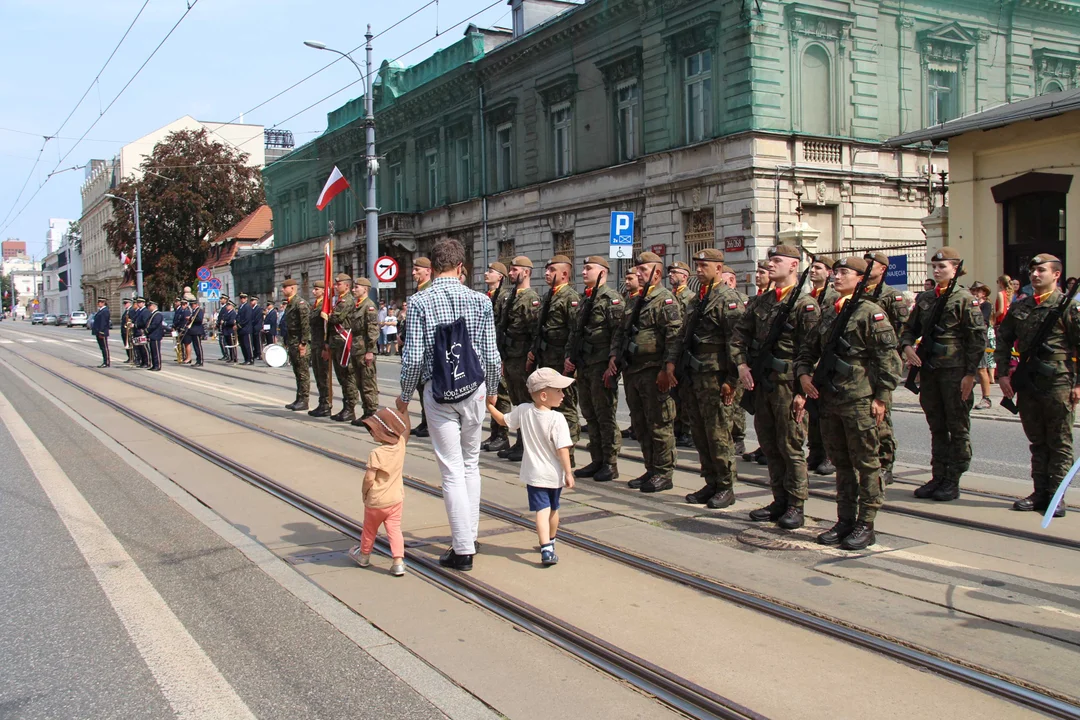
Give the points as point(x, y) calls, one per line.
point(397, 569)
point(358, 557)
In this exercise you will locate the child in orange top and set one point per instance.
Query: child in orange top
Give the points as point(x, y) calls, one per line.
point(384, 489)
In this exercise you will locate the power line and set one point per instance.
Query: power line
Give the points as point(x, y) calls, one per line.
point(57, 137)
point(26, 182)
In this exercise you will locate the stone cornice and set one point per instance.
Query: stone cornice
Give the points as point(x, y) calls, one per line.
point(1057, 64)
point(502, 112)
point(1058, 7)
point(814, 22)
point(557, 90)
point(692, 34)
point(625, 65)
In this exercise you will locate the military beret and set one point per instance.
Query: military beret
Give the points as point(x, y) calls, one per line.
point(320, 284)
point(342, 277)
point(289, 282)
point(762, 264)
point(556, 259)
point(362, 282)
point(857, 264)
point(680, 265)
point(728, 269)
point(498, 267)
point(1042, 258)
point(708, 255)
point(521, 261)
point(878, 257)
point(785, 251)
point(946, 253)
point(647, 257)
point(598, 260)
point(422, 262)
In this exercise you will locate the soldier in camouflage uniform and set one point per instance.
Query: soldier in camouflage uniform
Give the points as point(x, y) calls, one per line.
point(946, 389)
point(320, 352)
point(365, 339)
point(892, 302)
point(822, 291)
point(631, 289)
point(762, 283)
point(421, 273)
point(738, 423)
point(590, 346)
point(341, 340)
point(298, 329)
point(562, 305)
point(709, 380)
point(1048, 411)
point(523, 314)
point(649, 372)
point(498, 282)
point(852, 406)
point(781, 437)
point(678, 276)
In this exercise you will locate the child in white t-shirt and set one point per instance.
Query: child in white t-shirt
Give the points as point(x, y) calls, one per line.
point(545, 462)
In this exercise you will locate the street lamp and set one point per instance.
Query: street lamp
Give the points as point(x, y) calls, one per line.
point(138, 240)
point(370, 162)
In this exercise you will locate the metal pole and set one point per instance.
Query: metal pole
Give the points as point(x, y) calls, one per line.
point(372, 201)
point(138, 251)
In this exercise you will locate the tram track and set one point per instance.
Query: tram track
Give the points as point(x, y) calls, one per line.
point(595, 651)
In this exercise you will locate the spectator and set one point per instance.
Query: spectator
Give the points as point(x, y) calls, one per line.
point(1003, 298)
point(391, 326)
point(986, 362)
point(1014, 286)
point(381, 319)
point(928, 284)
point(455, 428)
point(384, 488)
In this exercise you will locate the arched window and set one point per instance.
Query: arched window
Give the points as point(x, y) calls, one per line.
point(816, 92)
point(1052, 87)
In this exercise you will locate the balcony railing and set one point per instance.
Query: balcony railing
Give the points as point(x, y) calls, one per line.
point(822, 152)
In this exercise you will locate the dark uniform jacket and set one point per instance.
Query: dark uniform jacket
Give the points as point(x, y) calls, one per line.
point(142, 317)
point(1020, 326)
point(155, 325)
point(560, 322)
point(297, 317)
point(753, 328)
point(228, 321)
point(963, 330)
point(101, 322)
point(271, 319)
point(177, 317)
point(197, 329)
point(654, 340)
point(243, 319)
point(127, 314)
point(181, 318)
point(875, 365)
point(365, 327)
point(710, 349)
point(892, 302)
point(522, 323)
point(602, 312)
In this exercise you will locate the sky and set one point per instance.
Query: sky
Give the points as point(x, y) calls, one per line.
point(224, 59)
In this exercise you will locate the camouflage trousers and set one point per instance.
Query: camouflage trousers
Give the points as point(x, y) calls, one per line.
point(568, 407)
point(346, 381)
point(887, 439)
point(504, 406)
point(851, 440)
point(367, 384)
point(598, 405)
point(710, 422)
point(1048, 420)
point(515, 376)
point(738, 425)
point(682, 420)
point(301, 371)
point(949, 418)
point(321, 369)
point(782, 440)
point(651, 416)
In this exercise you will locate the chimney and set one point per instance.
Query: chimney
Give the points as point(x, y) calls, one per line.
point(527, 14)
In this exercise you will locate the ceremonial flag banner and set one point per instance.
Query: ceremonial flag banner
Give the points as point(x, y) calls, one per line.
point(328, 280)
point(335, 184)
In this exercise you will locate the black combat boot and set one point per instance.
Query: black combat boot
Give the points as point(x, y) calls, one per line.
point(343, 416)
point(516, 453)
point(657, 483)
point(740, 447)
point(1032, 502)
point(792, 519)
point(836, 534)
point(886, 476)
point(505, 452)
point(770, 512)
point(860, 538)
point(421, 430)
point(497, 444)
point(825, 467)
point(637, 482)
point(702, 496)
point(684, 441)
point(298, 405)
point(589, 470)
point(928, 489)
point(606, 473)
point(947, 490)
point(321, 411)
point(722, 499)
point(1048, 495)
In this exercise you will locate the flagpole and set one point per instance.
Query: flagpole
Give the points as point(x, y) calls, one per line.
point(326, 319)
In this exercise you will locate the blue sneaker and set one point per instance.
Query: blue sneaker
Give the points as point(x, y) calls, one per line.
point(548, 557)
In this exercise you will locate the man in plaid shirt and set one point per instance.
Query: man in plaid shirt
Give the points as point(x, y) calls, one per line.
point(455, 428)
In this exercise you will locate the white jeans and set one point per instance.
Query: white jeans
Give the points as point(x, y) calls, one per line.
point(455, 431)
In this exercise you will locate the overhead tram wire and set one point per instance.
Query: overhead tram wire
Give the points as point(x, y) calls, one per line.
point(26, 181)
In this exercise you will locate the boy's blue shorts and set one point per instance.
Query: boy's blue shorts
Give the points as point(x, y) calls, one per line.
point(542, 497)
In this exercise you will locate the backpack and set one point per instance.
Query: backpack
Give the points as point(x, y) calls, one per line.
point(456, 371)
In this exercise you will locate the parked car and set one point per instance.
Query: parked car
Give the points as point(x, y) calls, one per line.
point(62, 319)
point(50, 319)
point(37, 319)
point(77, 318)
point(167, 320)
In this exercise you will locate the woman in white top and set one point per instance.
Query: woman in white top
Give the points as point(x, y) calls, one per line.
point(390, 328)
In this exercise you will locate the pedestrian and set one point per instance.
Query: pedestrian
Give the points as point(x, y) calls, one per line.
point(986, 362)
point(1014, 287)
point(1047, 409)
point(519, 332)
point(1003, 298)
point(341, 341)
point(381, 319)
point(545, 465)
point(270, 325)
point(421, 273)
point(390, 329)
point(946, 383)
point(298, 324)
point(257, 322)
point(101, 331)
point(244, 323)
point(320, 351)
point(823, 293)
point(229, 339)
point(384, 487)
point(449, 308)
point(141, 344)
point(928, 284)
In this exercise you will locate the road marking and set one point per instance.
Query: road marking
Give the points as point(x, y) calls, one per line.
point(7, 342)
point(50, 340)
point(190, 682)
point(75, 340)
point(27, 340)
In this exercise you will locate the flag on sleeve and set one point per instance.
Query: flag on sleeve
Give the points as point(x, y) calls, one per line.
point(335, 185)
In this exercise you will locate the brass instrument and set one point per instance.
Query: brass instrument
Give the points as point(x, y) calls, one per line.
point(129, 326)
point(180, 340)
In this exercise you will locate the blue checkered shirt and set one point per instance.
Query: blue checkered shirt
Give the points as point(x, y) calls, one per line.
point(442, 303)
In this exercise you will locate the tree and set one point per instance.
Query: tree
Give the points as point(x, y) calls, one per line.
point(74, 234)
point(7, 287)
point(192, 190)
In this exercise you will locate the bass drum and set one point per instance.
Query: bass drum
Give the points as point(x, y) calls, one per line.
point(275, 355)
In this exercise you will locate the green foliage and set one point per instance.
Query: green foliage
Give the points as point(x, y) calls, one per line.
point(74, 233)
point(7, 286)
point(192, 190)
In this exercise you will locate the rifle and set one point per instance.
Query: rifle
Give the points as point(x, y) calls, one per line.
point(626, 351)
point(764, 362)
point(690, 342)
point(586, 310)
point(538, 341)
point(830, 365)
point(929, 348)
point(504, 320)
point(1023, 377)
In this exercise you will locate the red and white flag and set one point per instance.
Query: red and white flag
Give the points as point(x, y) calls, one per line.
point(335, 185)
point(125, 259)
point(328, 281)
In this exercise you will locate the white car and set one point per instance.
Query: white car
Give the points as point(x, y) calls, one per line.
point(77, 319)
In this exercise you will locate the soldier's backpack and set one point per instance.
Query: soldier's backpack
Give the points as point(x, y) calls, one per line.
point(456, 371)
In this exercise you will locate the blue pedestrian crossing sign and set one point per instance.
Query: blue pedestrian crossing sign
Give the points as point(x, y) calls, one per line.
point(212, 295)
point(622, 235)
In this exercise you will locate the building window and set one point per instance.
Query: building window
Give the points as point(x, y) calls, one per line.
point(816, 97)
point(697, 95)
point(506, 251)
point(397, 181)
point(626, 103)
point(942, 96)
point(561, 131)
point(504, 156)
point(302, 210)
point(431, 163)
point(464, 168)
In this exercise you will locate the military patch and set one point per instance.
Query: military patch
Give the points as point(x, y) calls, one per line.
point(809, 308)
point(668, 301)
point(974, 303)
point(732, 306)
point(899, 298)
point(573, 303)
point(615, 301)
point(535, 303)
point(878, 317)
point(371, 309)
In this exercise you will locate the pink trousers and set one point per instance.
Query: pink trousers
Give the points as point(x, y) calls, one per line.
point(391, 518)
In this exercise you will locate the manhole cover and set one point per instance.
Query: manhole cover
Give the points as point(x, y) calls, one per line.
point(775, 540)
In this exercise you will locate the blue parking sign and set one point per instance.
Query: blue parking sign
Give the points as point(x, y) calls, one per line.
point(622, 235)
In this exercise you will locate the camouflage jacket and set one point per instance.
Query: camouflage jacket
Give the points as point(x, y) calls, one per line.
point(562, 318)
point(653, 340)
point(963, 330)
point(875, 365)
point(753, 328)
point(315, 322)
point(826, 296)
point(684, 295)
point(341, 317)
point(1061, 348)
point(710, 349)
point(365, 327)
point(298, 322)
point(600, 315)
point(521, 323)
point(892, 302)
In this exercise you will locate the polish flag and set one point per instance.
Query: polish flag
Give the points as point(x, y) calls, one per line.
point(125, 259)
point(335, 184)
point(328, 280)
